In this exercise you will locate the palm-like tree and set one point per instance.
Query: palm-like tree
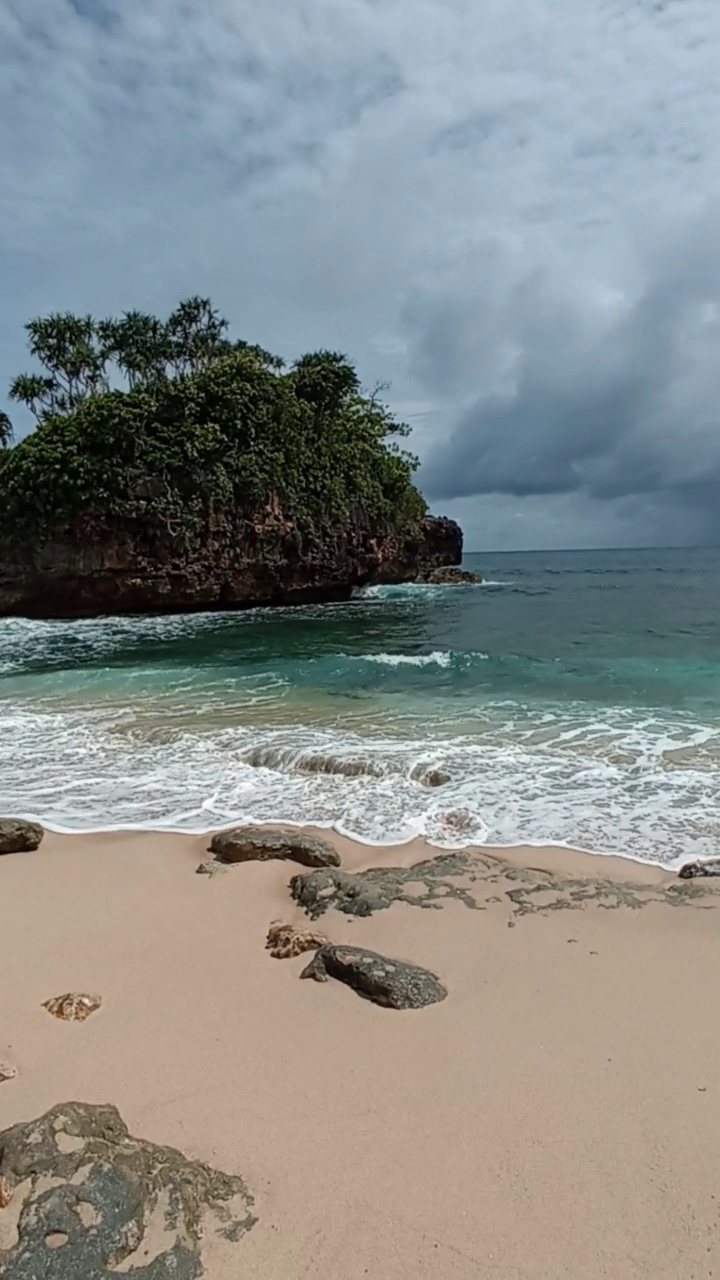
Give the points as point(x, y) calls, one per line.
point(7, 434)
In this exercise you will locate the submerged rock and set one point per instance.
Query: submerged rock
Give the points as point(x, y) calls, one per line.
point(19, 836)
point(709, 867)
point(88, 1201)
point(450, 575)
point(249, 844)
point(394, 984)
point(429, 775)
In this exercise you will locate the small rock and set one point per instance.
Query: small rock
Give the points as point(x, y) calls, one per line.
point(74, 1006)
point(394, 984)
point(430, 775)
point(97, 1203)
point(710, 867)
point(19, 836)
point(7, 1072)
point(284, 941)
point(248, 844)
point(210, 868)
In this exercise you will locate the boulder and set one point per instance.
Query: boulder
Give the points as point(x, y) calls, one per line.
point(86, 1201)
point(19, 836)
point(708, 867)
point(450, 575)
point(394, 984)
point(250, 844)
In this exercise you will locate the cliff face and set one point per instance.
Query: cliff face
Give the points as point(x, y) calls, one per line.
point(86, 570)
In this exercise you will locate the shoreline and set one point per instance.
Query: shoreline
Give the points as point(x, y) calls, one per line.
point(556, 851)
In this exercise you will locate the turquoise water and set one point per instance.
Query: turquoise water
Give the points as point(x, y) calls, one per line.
point(573, 698)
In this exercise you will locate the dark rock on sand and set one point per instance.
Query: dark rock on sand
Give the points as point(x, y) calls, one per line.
point(248, 844)
point(394, 984)
point(710, 867)
point(449, 575)
point(364, 892)
point(89, 1201)
point(18, 836)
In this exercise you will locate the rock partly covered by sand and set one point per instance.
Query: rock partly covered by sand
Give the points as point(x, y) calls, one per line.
point(250, 844)
point(394, 984)
point(85, 1200)
point(19, 836)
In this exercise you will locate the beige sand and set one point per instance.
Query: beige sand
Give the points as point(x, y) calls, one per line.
point(558, 1115)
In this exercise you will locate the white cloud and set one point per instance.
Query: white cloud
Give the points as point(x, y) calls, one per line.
point(451, 191)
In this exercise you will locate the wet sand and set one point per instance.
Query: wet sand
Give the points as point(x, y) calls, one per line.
point(558, 1115)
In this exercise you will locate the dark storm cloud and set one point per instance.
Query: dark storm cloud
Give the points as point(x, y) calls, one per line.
point(464, 203)
point(610, 395)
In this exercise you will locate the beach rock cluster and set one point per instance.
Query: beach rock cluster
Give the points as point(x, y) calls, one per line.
point(394, 984)
point(83, 1200)
point(19, 836)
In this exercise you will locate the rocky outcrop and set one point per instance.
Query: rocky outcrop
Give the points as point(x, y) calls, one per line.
point(18, 836)
point(450, 575)
point(92, 568)
point(249, 844)
point(83, 1200)
point(394, 984)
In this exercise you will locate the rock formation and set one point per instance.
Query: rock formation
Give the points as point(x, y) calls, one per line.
point(93, 568)
point(83, 1200)
point(394, 984)
point(18, 836)
point(707, 867)
point(449, 575)
point(250, 844)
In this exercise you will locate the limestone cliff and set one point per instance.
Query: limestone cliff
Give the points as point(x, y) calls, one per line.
point(88, 568)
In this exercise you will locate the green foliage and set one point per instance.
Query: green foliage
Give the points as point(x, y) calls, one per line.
point(6, 431)
point(206, 430)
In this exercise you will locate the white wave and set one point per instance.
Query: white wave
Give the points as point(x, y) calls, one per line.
point(439, 658)
point(641, 785)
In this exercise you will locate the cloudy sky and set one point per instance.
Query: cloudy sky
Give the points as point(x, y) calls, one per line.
point(509, 209)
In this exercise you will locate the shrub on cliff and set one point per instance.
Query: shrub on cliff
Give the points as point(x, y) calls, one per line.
point(203, 428)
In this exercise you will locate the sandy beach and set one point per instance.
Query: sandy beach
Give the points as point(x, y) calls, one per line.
point(557, 1115)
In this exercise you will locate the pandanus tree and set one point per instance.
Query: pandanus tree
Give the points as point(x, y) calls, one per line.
point(6, 431)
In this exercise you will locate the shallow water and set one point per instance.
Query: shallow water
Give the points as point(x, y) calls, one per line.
point(573, 698)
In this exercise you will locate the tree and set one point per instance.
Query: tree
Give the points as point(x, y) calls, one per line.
point(196, 335)
point(7, 434)
point(326, 380)
point(171, 426)
point(75, 364)
point(139, 345)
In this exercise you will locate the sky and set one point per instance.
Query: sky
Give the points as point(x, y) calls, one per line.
point(508, 211)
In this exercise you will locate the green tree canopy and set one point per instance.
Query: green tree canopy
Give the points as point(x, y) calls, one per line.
point(170, 425)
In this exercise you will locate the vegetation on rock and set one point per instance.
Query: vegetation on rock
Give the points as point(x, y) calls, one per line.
point(168, 425)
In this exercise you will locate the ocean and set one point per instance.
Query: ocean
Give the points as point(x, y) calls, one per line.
point(572, 698)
